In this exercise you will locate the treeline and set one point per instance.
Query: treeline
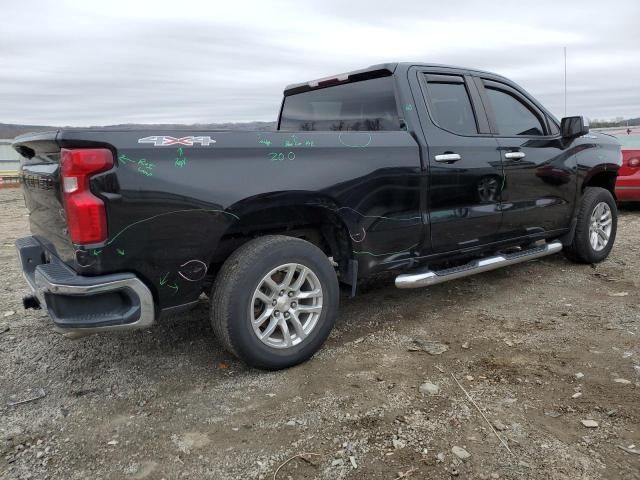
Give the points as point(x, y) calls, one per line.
point(618, 122)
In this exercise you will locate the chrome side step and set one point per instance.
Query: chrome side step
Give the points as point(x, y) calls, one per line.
point(425, 278)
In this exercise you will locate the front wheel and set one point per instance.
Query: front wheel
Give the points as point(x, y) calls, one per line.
point(596, 227)
point(275, 301)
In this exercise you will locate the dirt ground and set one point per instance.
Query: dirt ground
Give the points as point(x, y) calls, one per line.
point(539, 347)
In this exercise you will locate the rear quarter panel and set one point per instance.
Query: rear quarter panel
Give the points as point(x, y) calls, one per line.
point(168, 206)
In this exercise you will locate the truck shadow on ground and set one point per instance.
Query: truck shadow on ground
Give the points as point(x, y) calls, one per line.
point(189, 338)
point(630, 207)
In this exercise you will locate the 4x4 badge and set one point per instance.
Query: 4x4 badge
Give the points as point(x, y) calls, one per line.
point(165, 141)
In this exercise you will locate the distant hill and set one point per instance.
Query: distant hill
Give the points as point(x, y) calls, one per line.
point(8, 130)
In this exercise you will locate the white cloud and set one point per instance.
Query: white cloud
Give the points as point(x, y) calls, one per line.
point(82, 62)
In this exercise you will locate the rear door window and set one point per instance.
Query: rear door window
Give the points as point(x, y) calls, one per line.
point(450, 104)
point(368, 105)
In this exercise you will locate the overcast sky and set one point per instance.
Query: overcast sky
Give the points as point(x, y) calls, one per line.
point(88, 62)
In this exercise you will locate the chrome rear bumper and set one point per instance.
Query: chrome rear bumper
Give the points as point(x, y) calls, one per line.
point(80, 305)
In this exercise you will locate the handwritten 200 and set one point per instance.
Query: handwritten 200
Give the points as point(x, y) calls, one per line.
point(280, 156)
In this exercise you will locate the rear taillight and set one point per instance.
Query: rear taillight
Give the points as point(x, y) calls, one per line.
point(634, 162)
point(86, 215)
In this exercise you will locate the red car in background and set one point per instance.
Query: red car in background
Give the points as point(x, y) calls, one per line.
point(628, 183)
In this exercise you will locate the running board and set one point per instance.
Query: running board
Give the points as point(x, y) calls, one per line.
point(425, 278)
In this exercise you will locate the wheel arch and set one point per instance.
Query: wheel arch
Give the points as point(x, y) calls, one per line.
point(310, 217)
point(578, 248)
point(603, 178)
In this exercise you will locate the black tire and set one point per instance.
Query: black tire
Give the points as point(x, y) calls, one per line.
point(581, 250)
point(234, 287)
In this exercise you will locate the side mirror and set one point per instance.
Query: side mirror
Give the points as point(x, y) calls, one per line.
point(572, 127)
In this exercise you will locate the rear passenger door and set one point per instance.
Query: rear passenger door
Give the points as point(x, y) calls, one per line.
point(540, 175)
point(464, 168)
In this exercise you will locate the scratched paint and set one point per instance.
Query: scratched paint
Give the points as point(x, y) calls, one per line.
point(382, 217)
point(359, 236)
point(204, 210)
point(407, 250)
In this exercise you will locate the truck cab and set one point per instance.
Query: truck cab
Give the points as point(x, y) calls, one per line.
point(494, 167)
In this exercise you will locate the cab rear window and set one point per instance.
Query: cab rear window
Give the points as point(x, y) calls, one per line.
point(368, 105)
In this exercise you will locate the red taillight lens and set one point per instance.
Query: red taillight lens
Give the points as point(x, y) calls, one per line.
point(634, 162)
point(86, 215)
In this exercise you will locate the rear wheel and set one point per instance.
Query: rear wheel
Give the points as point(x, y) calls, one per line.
point(275, 301)
point(596, 227)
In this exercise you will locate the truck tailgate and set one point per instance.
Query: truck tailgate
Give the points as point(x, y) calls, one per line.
point(40, 174)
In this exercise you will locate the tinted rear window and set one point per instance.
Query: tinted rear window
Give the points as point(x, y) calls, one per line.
point(368, 105)
point(451, 107)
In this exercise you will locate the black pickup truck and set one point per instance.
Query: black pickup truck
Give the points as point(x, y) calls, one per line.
point(429, 171)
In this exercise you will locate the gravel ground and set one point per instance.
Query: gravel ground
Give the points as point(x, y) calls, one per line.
point(540, 347)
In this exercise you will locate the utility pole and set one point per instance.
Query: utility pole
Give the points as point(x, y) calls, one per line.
point(565, 81)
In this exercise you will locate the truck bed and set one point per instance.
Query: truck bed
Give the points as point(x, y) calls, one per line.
point(173, 195)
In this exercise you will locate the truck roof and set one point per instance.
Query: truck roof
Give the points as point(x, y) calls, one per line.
point(373, 71)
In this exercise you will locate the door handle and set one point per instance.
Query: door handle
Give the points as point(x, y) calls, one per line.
point(447, 158)
point(514, 155)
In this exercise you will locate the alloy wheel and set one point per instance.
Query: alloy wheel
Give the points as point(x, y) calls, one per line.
point(286, 305)
point(600, 226)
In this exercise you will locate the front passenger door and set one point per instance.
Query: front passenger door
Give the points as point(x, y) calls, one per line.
point(540, 175)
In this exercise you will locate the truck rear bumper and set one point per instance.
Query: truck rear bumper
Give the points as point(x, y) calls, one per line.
point(80, 305)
